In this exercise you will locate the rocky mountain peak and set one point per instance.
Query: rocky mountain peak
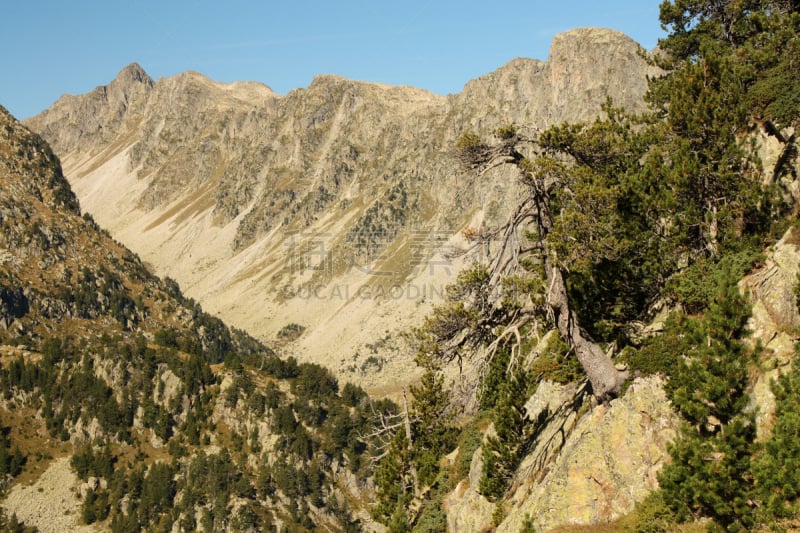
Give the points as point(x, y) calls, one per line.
point(91, 119)
point(131, 75)
point(585, 66)
point(580, 39)
point(590, 63)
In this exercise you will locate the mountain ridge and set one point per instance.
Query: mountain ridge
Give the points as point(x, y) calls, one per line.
point(358, 175)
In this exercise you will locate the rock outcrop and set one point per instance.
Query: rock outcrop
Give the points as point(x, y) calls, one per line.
point(587, 467)
point(775, 320)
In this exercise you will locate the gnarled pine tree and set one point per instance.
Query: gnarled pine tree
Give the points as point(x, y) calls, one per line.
point(527, 239)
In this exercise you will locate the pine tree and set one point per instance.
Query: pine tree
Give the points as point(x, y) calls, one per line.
point(433, 432)
point(776, 470)
point(393, 482)
point(710, 474)
point(502, 452)
point(711, 388)
point(88, 513)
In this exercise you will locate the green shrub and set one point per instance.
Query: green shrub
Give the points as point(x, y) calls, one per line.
point(695, 286)
point(653, 515)
point(555, 363)
point(433, 519)
point(658, 354)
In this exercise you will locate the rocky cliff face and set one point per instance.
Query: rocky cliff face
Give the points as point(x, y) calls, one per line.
point(332, 207)
point(588, 465)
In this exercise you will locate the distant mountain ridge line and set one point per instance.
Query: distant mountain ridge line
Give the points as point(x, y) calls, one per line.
point(207, 180)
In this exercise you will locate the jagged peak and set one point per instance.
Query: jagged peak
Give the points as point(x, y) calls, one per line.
point(133, 73)
point(130, 76)
point(578, 38)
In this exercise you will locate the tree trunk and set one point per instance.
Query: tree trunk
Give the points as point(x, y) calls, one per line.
point(606, 380)
point(407, 422)
point(410, 444)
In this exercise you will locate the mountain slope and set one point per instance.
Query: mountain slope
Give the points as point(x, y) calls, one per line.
point(60, 268)
point(116, 408)
point(332, 207)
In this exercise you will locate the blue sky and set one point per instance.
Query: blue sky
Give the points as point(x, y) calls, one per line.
point(54, 47)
